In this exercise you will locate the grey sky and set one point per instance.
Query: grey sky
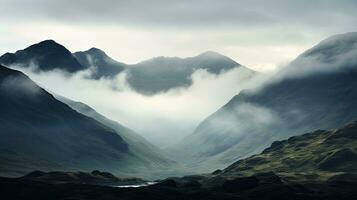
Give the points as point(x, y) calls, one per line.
point(257, 33)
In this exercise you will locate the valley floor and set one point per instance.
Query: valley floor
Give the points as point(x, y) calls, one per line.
point(252, 187)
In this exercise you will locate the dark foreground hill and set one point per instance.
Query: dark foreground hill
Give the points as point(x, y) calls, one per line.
point(317, 165)
point(95, 177)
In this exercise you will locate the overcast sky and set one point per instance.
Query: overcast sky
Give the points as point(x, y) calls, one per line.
point(257, 33)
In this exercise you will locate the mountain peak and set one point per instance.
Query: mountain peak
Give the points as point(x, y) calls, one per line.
point(48, 41)
point(46, 55)
point(105, 65)
point(214, 57)
point(47, 44)
point(333, 46)
point(211, 53)
point(96, 51)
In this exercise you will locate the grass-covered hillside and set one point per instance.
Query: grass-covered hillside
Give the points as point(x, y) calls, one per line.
point(320, 152)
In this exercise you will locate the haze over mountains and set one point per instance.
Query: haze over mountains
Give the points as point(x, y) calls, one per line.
point(160, 87)
point(148, 77)
point(178, 100)
point(316, 91)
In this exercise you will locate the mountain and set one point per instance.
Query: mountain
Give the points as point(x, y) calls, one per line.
point(41, 133)
point(155, 159)
point(44, 56)
point(99, 62)
point(164, 73)
point(318, 90)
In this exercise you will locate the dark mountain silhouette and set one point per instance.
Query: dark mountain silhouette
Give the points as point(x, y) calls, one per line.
point(154, 159)
point(100, 63)
point(44, 56)
point(318, 90)
point(164, 73)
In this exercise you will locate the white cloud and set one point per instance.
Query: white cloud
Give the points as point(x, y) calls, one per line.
point(164, 118)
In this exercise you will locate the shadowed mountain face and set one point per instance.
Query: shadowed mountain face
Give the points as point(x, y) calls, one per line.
point(164, 73)
point(100, 63)
point(46, 55)
point(154, 160)
point(41, 133)
point(311, 93)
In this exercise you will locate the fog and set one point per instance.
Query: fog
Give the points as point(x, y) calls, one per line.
point(14, 85)
point(164, 118)
point(330, 55)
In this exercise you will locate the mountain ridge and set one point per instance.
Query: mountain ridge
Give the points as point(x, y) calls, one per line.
point(148, 77)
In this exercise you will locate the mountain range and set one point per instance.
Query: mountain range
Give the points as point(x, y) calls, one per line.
point(149, 77)
point(317, 90)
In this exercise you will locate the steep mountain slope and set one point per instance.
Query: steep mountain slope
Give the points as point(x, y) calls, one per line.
point(100, 63)
point(38, 132)
point(46, 55)
point(147, 152)
point(311, 93)
point(164, 73)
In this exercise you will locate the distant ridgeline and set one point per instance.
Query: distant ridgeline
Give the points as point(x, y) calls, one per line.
point(148, 77)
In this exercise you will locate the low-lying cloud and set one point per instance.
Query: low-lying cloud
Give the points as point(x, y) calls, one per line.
point(336, 53)
point(163, 118)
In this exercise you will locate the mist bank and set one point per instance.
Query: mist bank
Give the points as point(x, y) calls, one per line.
point(163, 118)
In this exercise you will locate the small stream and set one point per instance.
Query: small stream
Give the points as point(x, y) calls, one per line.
point(136, 185)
